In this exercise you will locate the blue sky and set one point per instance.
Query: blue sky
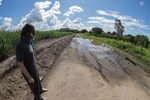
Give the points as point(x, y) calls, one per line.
point(76, 14)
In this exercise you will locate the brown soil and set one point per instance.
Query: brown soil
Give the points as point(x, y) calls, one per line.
point(12, 84)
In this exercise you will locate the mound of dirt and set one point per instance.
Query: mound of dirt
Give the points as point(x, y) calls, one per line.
point(12, 84)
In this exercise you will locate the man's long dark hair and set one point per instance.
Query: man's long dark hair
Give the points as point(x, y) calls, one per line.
point(28, 31)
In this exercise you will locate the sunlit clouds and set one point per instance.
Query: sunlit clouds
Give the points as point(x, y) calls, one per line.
point(6, 23)
point(72, 10)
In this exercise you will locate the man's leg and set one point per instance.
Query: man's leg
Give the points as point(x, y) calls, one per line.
point(34, 87)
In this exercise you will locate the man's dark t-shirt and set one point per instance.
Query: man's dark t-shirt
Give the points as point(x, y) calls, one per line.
point(25, 54)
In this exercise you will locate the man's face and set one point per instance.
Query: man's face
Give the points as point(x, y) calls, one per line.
point(30, 35)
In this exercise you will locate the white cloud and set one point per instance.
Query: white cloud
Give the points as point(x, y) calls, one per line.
point(42, 18)
point(66, 23)
point(55, 8)
point(126, 20)
point(116, 15)
point(0, 2)
point(6, 23)
point(104, 23)
point(139, 25)
point(75, 24)
point(77, 21)
point(100, 20)
point(42, 5)
point(141, 3)
point(34, 16)
point(73, 10)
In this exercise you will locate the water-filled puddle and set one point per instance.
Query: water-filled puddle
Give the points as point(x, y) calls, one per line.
point(92, 52)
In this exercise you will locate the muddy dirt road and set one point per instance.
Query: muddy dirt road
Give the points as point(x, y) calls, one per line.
point(77, 71)
point(12, 84)
point(85, 71)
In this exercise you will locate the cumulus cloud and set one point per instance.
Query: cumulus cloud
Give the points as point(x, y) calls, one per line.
point(77, 21)
point(73, 10)
point(75, 24)
point(53, 21)
point(42, 5)
point(34, 16)
point(55, 8)
point(66, 23)
point(42, 16)
point(6, 23)
point(0, 2)
point(38, 13)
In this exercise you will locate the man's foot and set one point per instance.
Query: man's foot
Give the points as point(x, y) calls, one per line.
point(40, 98)
point(44, 90)
point(43, 98)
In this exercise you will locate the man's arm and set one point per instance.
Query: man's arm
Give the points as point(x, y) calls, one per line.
point(25, 72)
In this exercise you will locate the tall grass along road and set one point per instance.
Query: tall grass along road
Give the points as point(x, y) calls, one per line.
point(8, 40)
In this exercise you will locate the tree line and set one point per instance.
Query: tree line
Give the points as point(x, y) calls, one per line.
point(140, 40)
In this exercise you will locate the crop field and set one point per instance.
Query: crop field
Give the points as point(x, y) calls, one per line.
point(8, 40)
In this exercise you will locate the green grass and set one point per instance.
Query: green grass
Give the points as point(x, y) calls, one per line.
point(8, 40)
point(136, 53)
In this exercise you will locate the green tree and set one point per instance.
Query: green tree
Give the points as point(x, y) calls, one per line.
point(114, 33)
point(109, 33)
point(129, 38)
point(83, 31)
point(141, 40)
point(64, 30)
point(75, 31)
point(96, 31)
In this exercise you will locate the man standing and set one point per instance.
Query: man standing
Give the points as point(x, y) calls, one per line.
point(26, 61)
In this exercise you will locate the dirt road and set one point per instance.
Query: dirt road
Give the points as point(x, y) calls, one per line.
point(85, 71)
point(12, 84)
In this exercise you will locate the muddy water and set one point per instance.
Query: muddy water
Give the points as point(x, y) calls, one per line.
point(92, 50)
point(120, 73)
point(102, 57)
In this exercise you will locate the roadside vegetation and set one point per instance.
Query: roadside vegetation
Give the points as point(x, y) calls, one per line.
point(134, 47)
point(8, 40)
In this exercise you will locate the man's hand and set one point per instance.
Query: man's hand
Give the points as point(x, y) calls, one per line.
point(25, 72)
point(31, 80)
